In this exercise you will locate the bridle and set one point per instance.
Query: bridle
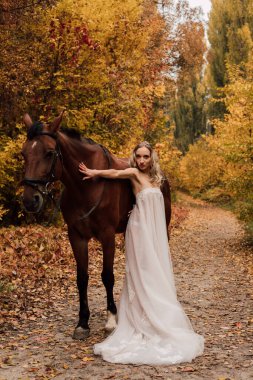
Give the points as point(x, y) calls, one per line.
point(42, 185)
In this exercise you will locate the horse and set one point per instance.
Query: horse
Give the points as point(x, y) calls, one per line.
point(97, 208)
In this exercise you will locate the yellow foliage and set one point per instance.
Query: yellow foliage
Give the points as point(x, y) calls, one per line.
point(108, 63)
point(223, 163)
point(169, 156)
point(234, 135)
point(201, 168)
point(10, 169)
point(111, 82)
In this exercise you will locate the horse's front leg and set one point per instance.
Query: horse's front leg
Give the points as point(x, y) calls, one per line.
point(80, 249)
point(108, 244)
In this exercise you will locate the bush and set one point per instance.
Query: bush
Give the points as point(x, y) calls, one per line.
point(11, 167)
point(201, 168)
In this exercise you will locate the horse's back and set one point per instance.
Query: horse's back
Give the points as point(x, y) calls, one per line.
point(119, 163)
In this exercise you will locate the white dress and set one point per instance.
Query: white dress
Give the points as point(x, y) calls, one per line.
point(152, 326)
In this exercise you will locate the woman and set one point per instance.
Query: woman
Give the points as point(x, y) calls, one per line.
point(152, 326)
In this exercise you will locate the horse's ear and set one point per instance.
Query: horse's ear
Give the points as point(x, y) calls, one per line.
point(28, 121)
point(55, 125)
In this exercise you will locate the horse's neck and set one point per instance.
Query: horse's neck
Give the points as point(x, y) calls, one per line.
point(73, 152)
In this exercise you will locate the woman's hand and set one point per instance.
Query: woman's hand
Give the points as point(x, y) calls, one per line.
point(89, 173)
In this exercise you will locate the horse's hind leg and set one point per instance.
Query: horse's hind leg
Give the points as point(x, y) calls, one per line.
point(108, 244)
point(80, 250)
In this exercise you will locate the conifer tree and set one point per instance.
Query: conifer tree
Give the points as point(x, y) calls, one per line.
point(188, 107)
point(230, 32)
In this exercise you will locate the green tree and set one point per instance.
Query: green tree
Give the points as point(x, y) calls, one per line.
point(189, 113)
point(187, 110)
point(230, 31)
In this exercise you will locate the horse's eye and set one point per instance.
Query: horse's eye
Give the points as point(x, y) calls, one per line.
point(49, 153)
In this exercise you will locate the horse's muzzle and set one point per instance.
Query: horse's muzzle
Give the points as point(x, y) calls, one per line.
point(33, 204)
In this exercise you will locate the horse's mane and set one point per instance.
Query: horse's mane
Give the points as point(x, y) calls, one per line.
point(75, 134)
point(37, 128)
point(72, 133)
point(34, 130)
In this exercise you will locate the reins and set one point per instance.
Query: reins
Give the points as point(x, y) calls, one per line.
point(87, 214)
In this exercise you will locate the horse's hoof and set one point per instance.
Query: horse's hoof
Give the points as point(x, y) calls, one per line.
point(111, 322)
point(80, 333)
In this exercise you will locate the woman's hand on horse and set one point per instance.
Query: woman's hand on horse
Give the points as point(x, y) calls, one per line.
point(129, 173)
point(89, 173)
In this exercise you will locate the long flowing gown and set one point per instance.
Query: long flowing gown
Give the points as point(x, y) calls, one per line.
point(152, 326)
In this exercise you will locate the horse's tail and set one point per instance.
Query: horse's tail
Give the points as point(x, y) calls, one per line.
point(165, 188)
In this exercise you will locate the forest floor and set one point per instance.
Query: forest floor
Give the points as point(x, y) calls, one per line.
point(213, 270)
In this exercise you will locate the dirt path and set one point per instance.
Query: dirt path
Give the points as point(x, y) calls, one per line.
point(212, 270)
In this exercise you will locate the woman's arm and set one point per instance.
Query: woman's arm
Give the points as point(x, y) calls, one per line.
point(129, 173)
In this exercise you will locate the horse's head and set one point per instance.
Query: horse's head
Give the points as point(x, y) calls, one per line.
point(42, 159)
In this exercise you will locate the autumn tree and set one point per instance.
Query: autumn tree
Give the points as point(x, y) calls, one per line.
point(105, 62)
point(220, 166)
point(116, 80)
point(22, 59)
point(234, 136)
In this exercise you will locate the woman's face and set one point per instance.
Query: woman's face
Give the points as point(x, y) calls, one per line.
point(143, 159)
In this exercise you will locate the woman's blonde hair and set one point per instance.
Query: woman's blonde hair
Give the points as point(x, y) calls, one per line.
point(155, 170)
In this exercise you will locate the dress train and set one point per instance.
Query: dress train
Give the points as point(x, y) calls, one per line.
point(152, 325)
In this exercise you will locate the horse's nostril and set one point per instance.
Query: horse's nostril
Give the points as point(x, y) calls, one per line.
point(36, 198)
point(33, 203)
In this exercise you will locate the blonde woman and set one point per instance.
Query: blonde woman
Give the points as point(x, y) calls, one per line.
point(152, 326)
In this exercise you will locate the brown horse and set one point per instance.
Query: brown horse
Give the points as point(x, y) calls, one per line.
point(96, 208)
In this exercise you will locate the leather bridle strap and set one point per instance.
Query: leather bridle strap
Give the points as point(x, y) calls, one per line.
point(50, 177)
point(87, 214)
